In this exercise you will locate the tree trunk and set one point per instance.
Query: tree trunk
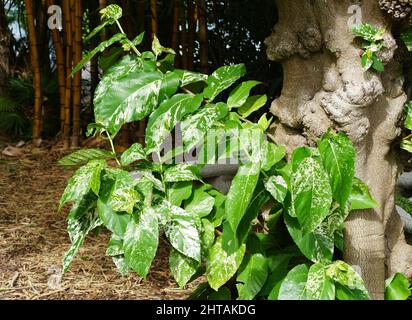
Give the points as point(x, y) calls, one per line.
point(77, 80)
point(36, 70)
point(325, 86)
point(61, 74)
point(5, 54)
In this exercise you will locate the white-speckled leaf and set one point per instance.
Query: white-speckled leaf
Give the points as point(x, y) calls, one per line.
point(182, 267)
point(350, 285)
point(277, 187)
point(84, 179)
point(141, 241)
point(82, 219)
point(316, 246)
point(182, 172)
point(293, 286)
point(311, 194)
point(163, 120)
point(134, 153)
point(221, 267)
point(195, 126)
point(319, 286)
point(338, 157)
point(222, 79)
point(126, 95)
point(182, 231)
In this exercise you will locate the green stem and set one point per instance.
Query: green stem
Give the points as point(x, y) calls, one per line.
point(113, 149)
point(128, 40)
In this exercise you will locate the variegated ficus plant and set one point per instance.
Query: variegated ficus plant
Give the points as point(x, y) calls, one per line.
point(276, 232)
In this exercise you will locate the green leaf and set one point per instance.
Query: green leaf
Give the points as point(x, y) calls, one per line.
point(338, 157)
point(350, 284)
point(127, 46)
point(406, 36)
point(368, 32)
point(182, 172)
point(239, 95)
point(397, 287)
point(316, 246)
point(100, 48)
point(195, 126)
point(277, 187)
point(189, 77)
point(182, 231)
point(133, 154)
point(240, 193)
point(406, 145)
point(366, 61)
point(318, 285)
point(311, 194)
point(182, 268)
point(112, 11)
point(252, 105)
point(179, 191)
point(84, 179)
point(99, 28)
point(125, 94)
point(112, 220)
point(221, 267)
point(107, 60)
point(222, 79)
point(408, 113)
point(158, 49)
point(82, 219)
point(141, 241)
point(271, 155)
point(121, 196)
point(115, 247)
point(264, 122)
point(293, 286)
point(200, 203)
point(163, 120)
point(81, 157)
point(251, 277)
point(278, 269)
point(121, 265)
point(207, 236)
point(360, 198)
point(377, 64)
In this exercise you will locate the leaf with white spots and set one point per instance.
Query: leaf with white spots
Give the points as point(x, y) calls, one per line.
point(221, 267)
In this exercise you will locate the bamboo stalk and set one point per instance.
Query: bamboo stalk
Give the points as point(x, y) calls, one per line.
point(204, 58)
point(191, 34)
point(77, 80)
point(183, 37)
point(153, 15)
point(175, 27)
point(61, 74)
point(69, 55)
point(36, 70)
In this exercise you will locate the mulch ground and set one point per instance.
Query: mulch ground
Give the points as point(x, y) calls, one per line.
point(33, 240)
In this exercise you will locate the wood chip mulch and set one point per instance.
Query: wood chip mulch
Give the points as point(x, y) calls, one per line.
point(33, 240)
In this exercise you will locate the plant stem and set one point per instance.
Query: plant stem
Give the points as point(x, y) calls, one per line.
point(113, 149)
point(128, 40)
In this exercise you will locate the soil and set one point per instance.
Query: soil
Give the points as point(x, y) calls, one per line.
point(33, 240)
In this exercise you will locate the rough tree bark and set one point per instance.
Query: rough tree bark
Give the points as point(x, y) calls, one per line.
point(326, 87)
